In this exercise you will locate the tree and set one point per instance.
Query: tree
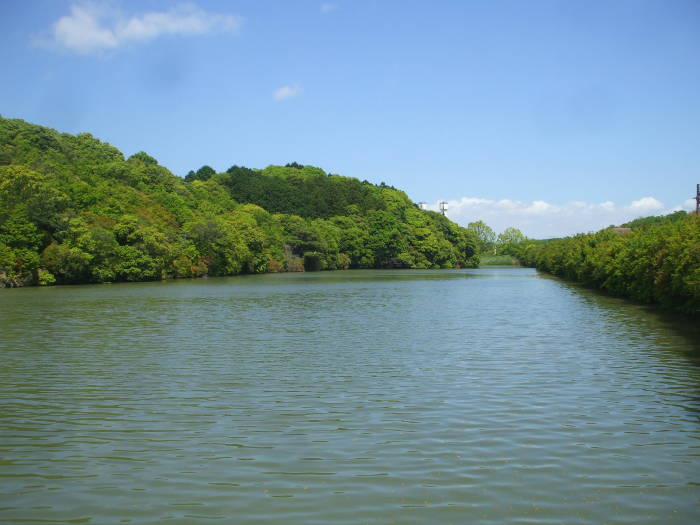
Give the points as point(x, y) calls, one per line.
point(508, 241)
point(485, 236)
point(31, 193)
point(144, 157)
point(203, 173)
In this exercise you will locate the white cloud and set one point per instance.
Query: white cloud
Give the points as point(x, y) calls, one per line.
point(327, 7)
point(94, 27)
point(286, 92)
point(646, 204)
point(540, 219)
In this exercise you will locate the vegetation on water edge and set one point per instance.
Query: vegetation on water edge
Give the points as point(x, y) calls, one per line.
point(74, 210)
point(497, 260)
point(658, 262)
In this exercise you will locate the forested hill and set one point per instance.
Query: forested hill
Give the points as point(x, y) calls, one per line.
point(73, 209)
point(303, 190)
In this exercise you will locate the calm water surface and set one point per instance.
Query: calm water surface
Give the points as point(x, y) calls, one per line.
point(474, 396)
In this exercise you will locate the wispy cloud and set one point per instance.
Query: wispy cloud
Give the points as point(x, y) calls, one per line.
point(328, 7)
point(93, 27)
point(540, 219)
point(287, 92)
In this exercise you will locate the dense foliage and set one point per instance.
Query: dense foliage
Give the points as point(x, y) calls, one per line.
point(485, 237)
point(74, 210)
point(657, 262)
point(302, 190)
point(645, 222)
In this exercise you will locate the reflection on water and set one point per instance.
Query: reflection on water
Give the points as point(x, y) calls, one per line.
point(487, 396)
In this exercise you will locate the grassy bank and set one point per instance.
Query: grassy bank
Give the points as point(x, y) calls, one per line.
point(498, 260)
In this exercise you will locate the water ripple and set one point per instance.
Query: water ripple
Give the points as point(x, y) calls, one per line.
point(484, 396)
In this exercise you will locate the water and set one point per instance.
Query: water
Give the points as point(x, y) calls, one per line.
point(474, 396)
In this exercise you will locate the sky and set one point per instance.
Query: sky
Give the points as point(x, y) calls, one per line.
point(555, 117)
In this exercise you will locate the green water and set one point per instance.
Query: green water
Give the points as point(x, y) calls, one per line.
point(474, 396)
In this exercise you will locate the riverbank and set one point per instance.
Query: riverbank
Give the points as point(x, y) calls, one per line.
point(657, 262)
point(498, 260)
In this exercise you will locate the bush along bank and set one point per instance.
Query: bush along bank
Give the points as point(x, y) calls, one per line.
point(656, 260)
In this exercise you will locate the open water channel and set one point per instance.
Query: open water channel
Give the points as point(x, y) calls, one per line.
point(472, 396)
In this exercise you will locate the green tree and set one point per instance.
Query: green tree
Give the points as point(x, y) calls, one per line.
point(485, 236)
point(509, 240)
point(204, 173)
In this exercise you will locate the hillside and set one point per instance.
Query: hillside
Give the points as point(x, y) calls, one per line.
point(73, 209)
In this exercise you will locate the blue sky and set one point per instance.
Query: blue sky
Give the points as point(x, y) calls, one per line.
point(551, 116)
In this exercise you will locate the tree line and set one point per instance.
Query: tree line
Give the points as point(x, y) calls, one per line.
point(657, 262)
point(73, 209)
point(488, 243)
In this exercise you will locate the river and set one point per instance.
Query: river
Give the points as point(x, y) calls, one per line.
point(495, 395)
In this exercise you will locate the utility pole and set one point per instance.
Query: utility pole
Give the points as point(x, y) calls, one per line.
point(443, 207)
point(697, 200)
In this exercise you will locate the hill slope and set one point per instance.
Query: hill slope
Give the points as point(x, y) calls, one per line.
point(74, 210)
